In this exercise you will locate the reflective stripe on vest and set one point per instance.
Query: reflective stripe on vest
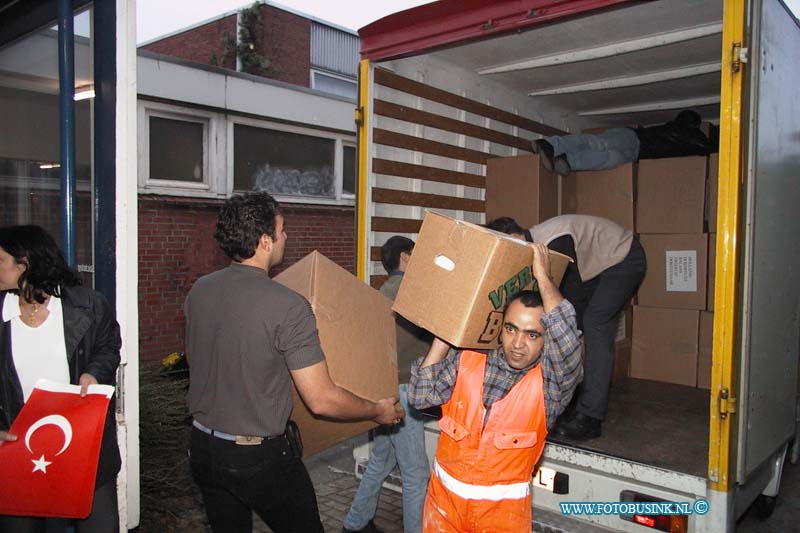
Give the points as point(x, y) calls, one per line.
point(511, 491)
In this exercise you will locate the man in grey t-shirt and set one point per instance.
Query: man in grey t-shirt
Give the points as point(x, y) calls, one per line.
point(247, 338)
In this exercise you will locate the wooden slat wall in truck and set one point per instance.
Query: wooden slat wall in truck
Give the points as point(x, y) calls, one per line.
point(430, 152)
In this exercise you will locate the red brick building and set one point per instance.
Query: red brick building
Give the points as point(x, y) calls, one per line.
point(206, 131)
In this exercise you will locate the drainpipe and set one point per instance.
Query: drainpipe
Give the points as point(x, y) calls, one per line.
point(66, 84)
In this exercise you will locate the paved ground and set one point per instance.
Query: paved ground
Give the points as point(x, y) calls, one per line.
point(171, 502)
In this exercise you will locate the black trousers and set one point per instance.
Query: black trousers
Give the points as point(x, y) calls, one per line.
point(598, 303)
point(236, 480)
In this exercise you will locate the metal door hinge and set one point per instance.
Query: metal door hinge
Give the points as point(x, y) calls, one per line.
point(727, 403)
point(740, 56)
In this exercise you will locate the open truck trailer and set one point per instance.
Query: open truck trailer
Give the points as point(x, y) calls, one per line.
point(446, 86)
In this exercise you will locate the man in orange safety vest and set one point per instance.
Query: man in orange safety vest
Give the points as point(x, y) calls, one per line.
point(497, 407)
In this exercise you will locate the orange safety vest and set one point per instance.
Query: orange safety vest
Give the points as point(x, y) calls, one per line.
point(481, 476)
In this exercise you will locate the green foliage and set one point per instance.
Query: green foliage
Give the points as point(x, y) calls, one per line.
point(251, 41)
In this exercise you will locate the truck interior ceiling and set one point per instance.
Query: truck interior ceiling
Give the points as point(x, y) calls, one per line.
point(624, 66)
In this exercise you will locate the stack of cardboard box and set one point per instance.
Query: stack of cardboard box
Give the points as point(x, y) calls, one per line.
point(671, 339)
point(671, 203)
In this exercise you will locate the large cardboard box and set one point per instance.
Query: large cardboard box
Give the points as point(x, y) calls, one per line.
point(712, 269)
point(712, 192)
point(704, 350)
point(460, 277)
point(671, 195)
point(521, 188)
point(665, 345)
point(676, 271)
point(601, 193)
point(357, 332)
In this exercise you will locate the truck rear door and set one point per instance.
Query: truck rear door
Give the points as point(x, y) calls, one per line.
point(770, 290)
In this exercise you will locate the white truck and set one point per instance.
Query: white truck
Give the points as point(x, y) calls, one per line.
point(446, 86)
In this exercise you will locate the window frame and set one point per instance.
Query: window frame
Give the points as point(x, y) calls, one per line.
point(315, 71)
point(210, 186)
point(342, 194)
point(340, 139)
point(218, 151)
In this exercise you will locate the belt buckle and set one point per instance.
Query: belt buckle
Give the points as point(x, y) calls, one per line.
point(247, 440)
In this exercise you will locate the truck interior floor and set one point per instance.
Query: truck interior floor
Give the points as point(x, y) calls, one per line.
point(655, 423)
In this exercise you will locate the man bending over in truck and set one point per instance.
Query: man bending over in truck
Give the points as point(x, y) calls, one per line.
point(497, 407)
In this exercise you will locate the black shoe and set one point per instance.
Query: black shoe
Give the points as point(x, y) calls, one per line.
point(561, 165)
point(579, 427)
point(369, 528)
point(545, 151)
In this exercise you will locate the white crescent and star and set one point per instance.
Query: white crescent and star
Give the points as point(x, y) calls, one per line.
point(55, 420)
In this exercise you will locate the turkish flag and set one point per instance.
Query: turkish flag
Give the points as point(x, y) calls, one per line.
point(50, 469)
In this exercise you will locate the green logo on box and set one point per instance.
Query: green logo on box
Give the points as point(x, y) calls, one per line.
point(499, 298)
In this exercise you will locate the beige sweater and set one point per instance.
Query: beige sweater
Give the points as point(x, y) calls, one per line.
point(599, 242)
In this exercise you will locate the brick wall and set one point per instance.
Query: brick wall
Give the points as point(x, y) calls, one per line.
point(199, 44)
point(287, 44)
point(176, 246)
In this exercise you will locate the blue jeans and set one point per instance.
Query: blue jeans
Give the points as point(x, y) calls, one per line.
point(597, 151)
point(402, 445)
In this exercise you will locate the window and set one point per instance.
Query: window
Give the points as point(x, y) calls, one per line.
point(349, 170)
point(30, 160)
point(331, 84)
point(185, 151)
point(283, 163)
point(176, 150)
point(180, 150)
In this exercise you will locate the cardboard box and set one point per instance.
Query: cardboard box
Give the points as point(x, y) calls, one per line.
point(712, 268)
point(712, 193)
point(704, 350)
point(602, 193)
point(676, 271)
point(521, 188)
point(357, 332)
point(665, 344)
point(671, 195)
point(460, 277)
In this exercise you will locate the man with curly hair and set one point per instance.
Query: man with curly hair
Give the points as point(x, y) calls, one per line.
point(247, 338)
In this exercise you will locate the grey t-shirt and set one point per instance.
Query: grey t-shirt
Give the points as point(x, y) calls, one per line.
point(244, 333)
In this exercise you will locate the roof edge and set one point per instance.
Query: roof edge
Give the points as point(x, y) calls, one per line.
point(430, 26)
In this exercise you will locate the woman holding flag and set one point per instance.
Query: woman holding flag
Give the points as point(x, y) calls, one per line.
point(53, 328)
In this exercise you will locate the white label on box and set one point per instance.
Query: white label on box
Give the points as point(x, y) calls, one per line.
point(681, 270)
point(620, 336)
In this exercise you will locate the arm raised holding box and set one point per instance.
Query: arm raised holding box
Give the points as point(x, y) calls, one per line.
point(433, 376)
point(551, 296)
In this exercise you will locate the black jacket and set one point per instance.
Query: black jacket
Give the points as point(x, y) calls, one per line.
point(673, 139)
point(91, 336)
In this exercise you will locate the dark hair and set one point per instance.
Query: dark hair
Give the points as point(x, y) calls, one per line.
point(527, 298)
point(46, 271)
point(688, 119)
point(508, 226)
point(391, 250)
point(243, 219)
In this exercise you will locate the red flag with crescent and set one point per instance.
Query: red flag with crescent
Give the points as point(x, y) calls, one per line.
point(50, 469)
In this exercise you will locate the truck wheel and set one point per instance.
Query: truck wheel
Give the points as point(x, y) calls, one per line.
point(764, 506)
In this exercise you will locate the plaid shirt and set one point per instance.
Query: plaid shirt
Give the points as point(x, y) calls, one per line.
point(562, 369)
